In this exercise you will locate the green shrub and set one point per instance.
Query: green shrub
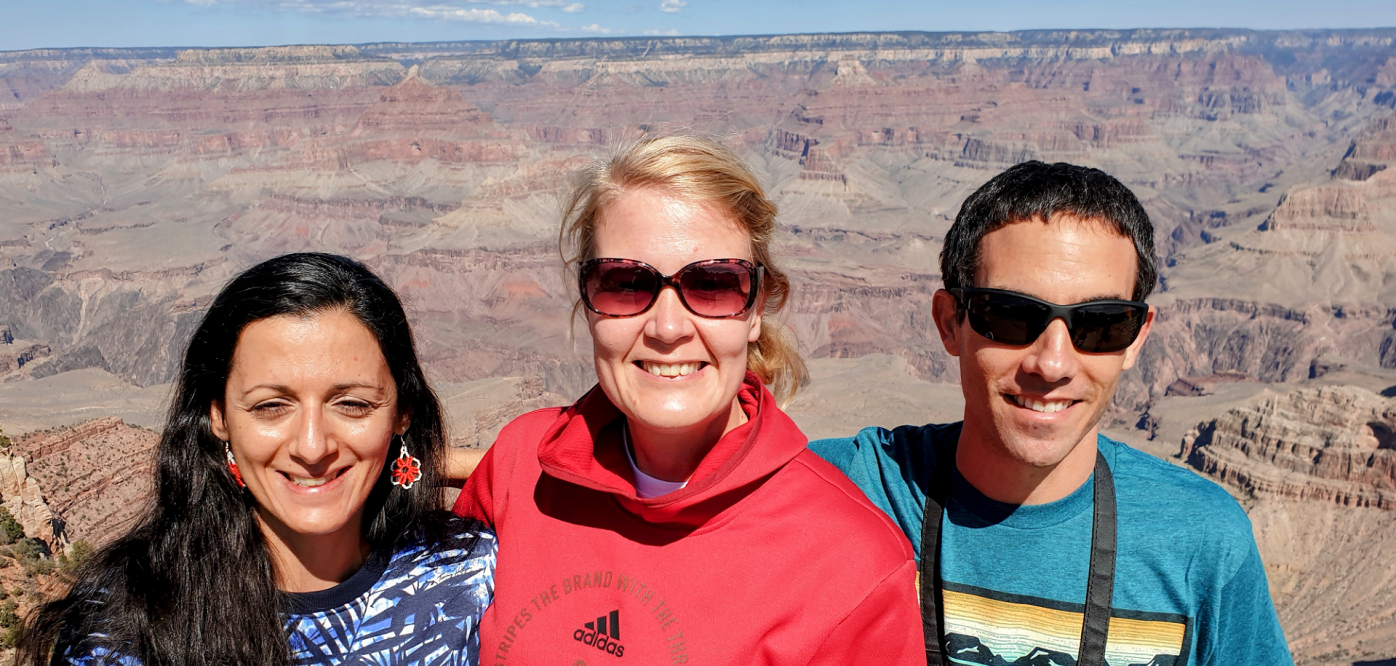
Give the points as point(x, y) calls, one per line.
point(39, 567)
point(78, 553)
point(9, 616)
point(27, 550)
point(11, 528)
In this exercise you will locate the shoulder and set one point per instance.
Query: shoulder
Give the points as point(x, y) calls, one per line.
point(531, 424)
point(1183, 505)
point(901, 447)
point(1163, 482)
point(463, 554)
point(843, 506)
point(519, 437)
point(890, 466)
point(96, 656)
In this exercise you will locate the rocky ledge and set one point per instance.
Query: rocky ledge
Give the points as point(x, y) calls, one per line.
point(96, 475)
point(1333, 444)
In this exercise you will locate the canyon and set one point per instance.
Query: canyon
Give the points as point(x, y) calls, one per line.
point(135, 182)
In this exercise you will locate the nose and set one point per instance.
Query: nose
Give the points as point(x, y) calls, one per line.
point(1052, 356)
point(669, 321)
point(312, 445)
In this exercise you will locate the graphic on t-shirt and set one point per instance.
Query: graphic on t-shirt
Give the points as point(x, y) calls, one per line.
point(985, 627)
point(603, 633)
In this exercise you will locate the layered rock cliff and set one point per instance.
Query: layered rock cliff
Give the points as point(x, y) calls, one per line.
point(138, 181)
point(96, 476)
point(24, 499)
point(1331, 444)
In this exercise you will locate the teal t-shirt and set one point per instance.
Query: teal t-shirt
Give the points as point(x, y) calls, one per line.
point(1189, 584)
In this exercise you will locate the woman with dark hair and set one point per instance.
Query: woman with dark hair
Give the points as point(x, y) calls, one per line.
point(296, 518)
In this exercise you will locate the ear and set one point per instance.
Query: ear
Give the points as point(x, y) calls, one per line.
point(943, 312)
point(754, 333)
point(1132, 352)
point(404, 421)
point(216, 420)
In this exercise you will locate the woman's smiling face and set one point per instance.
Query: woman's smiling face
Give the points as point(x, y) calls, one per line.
point(309, 409)
point(668, 369)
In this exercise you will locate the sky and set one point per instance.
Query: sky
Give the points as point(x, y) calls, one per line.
point(27, 24)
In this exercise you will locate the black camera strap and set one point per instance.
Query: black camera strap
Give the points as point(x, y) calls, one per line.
point(1100, 585)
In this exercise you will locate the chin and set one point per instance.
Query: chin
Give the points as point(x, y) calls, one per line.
point(673, 417)
point(317, 527)
point(311, 518)
point(1039, 451)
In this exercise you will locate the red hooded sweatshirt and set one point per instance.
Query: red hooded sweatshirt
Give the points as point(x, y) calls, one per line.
point(768, 556)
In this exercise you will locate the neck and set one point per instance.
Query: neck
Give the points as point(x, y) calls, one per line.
point(310, 563)
point(986, 463)
point(674, 454)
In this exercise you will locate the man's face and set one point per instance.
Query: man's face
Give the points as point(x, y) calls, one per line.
point(1036, 402)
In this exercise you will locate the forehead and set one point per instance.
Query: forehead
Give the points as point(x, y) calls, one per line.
point(1064, 260)
point(292, 349)
point(667, 231)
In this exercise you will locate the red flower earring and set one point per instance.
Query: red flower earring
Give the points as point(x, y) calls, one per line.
point(233, 465)
point(407, 470)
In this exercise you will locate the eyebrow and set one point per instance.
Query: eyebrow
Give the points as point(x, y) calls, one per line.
point(337, 388)
point(1091, 299)
point(1109, 297)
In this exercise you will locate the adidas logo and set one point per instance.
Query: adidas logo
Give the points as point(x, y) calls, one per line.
point(602, 634)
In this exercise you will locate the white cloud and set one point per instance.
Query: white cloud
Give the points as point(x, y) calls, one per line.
point(464, 11)
point(422, 8)
point(672, 6)
point(662, 33)
point(450, 13)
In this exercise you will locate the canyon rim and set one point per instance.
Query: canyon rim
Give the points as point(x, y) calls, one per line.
point(134, 182)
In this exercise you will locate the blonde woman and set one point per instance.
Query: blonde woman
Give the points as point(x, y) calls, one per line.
point(673, 515)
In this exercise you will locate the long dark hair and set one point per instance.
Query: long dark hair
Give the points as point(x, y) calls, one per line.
point(193, 581)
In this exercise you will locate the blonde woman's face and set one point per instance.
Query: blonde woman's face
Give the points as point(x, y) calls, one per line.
point(668, 369)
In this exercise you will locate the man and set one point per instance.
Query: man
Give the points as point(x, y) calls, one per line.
point(1058, 545)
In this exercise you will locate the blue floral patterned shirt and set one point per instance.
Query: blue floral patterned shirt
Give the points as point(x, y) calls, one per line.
point(418, 605)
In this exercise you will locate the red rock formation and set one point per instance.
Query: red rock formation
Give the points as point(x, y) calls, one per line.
point(1332, 444)
point(96, 475)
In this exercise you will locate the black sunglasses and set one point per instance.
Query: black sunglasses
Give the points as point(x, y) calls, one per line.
point(715, 288)
point(1097, 327)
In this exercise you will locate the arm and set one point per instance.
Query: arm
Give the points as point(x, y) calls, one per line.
point(884, 629)
point(1237, 623)
point(476, 498)
point(460, 464)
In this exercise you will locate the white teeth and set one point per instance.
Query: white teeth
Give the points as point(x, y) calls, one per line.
point(309, 483)
point(670, 369)
point(1050, 407)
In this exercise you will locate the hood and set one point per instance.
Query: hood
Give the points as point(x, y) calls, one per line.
point(583, 447)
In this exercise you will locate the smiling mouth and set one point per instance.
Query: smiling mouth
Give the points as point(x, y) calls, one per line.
point(314, 482)
point(1044, 406)
point(671, 370)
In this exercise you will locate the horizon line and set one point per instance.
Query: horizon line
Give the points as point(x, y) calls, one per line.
point(654, 38)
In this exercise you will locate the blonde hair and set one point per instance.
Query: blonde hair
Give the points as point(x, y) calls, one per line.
point(702, 171)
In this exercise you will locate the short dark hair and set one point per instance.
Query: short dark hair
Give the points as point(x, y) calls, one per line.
point(1037, 191)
